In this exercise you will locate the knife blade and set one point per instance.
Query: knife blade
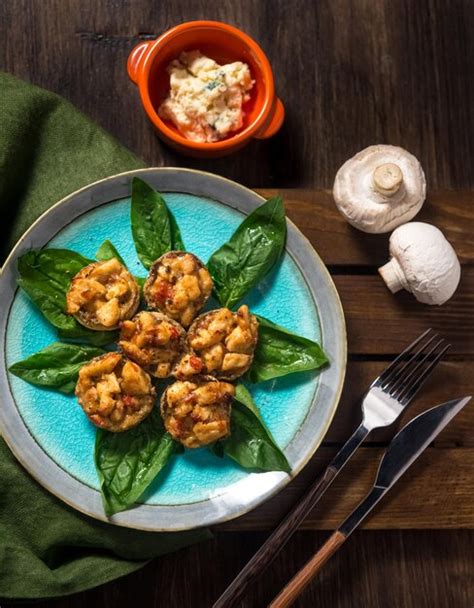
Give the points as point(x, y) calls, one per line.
point(402, 452)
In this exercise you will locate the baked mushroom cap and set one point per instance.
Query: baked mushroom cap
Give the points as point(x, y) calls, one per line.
point(197, 412)
point(423, 262)
point(178, 285)
point(220, 343)
point(154, 341)
point(103, 294)
point(380, 188)
point(114, 392)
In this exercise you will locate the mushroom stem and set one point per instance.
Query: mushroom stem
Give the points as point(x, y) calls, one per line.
point(387, 179)
point(392, 274)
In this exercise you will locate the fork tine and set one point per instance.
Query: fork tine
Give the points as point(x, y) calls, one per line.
point(406, 365)
point(411, 368)
point(402, 357)
point(391, 367)
point(412, 390)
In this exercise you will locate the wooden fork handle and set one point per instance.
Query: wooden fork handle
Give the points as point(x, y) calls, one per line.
point(301, 580)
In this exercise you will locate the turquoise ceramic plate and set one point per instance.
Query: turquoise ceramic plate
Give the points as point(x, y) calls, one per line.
point(50, 435)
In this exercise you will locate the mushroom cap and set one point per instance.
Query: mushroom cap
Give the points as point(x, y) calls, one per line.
point(149, 355)
point(109, 409)
point(249, 351)
point(128, 306)
point(167, 306)
point(366, 208)
point(202, 420)
point(424, 262)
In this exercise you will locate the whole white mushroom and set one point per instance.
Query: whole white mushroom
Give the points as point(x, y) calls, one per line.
point(380, 188)
point(423, 262)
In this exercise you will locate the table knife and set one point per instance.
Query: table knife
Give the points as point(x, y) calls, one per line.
point(401, 453)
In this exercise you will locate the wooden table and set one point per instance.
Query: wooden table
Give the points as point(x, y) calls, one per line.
point(351, 73)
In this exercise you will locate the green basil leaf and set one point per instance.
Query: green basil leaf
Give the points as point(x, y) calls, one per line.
point(217, 449)
point(154, 228)
point(177, 243)
point(58, 266)
point(90, 336)
point(49, 298)
point(107, 251)
point(56, 366)
point(252, 251)
point(45, 276)
point(280, 352)
point(128, 462)
point(141, 281)
point(243, 396)
point(250, 443)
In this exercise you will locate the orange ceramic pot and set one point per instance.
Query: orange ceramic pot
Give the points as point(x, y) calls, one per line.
point(147, 63)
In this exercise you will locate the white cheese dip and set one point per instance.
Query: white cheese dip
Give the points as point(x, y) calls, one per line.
point(205, 99)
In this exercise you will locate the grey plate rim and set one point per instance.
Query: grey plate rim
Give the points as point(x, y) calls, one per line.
point(257, 488)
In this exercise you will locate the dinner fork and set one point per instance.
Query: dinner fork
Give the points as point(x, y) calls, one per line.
point(387, 397)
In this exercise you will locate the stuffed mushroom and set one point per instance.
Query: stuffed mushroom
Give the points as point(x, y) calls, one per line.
point(220, 343)
point(154, 341)
point(103, 294)
point(197, 412)
point(178, 285)
point(114, 392)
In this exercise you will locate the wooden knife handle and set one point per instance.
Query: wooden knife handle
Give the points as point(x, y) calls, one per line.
point(301, 580)
point(274, 543)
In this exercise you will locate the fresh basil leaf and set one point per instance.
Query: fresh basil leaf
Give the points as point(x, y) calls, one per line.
point(45, 276)
point(56, 366)
point(128, 462)
point(141, 281)
point(107, 251)
point(217, 449)
point(49, 298)
point(280, 352)
point(243, 395)
point(250, 443)
point(90, 336)
point(177, 243)
point(154, 228)
point(57, 265)
point(252, 251)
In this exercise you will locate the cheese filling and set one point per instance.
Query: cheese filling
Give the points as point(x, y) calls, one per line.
point(205, 99)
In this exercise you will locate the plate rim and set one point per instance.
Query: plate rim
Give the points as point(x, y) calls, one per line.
point(274, 481)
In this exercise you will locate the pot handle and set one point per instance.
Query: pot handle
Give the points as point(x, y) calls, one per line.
point(275, 121)
point(135, 59)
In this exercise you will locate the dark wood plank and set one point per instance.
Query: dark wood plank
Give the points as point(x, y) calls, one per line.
point(423, 569)
point(369, 72)
point(436, 492)
point(351, 74)
point(338, 243)
point(451, 379)
point(380, 322)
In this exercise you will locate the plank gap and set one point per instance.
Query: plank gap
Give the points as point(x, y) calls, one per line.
point(356, 269)
point(434, 493)
point(389, 357)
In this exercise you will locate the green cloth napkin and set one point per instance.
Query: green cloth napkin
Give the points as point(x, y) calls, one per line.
point(48, 150)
